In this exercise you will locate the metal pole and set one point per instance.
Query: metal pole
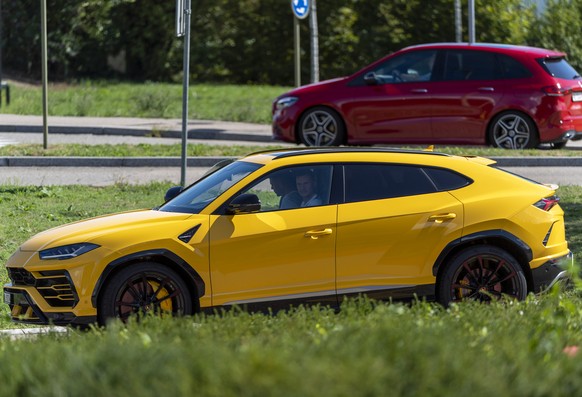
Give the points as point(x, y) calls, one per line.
point(297, 52)
point(314, 43)
point(1, 86)
point(471, 21)
point(186, 81)
point(44, 74)
point(458, 22)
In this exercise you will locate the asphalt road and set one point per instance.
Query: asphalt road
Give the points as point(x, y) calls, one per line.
point(140, 175)
point(103, 176)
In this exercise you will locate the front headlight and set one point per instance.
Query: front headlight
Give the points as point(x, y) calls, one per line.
point(67, 251)
point(286, 102)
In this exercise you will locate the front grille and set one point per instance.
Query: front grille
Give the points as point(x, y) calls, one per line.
point(54, 286)
point(19, 276)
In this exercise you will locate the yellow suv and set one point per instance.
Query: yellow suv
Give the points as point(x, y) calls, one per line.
point(288, 227)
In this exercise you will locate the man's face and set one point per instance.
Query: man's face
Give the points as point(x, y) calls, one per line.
point(305, 186)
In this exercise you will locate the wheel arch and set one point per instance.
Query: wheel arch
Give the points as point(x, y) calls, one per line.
point(499, 238)
point(164, 257)
point(307, 109)
point(493, 118)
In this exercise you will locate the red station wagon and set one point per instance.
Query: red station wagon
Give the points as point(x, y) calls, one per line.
point(506, 96)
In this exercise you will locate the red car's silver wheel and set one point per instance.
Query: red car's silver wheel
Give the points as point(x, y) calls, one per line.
point(482, 273)
point(513, 130)
point(321, 127)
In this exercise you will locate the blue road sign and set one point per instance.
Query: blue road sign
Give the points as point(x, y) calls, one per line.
point(300, 8)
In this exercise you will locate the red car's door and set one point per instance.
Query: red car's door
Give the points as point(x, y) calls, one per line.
point(464, 100)
point(392, 102)
point(391, 112)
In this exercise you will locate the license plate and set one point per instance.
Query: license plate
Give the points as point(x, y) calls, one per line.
point(577, 96)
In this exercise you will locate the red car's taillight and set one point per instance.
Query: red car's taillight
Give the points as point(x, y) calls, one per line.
point(547, 203)
point(555, 90)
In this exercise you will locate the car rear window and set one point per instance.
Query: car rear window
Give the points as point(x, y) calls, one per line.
point(447, 179)
point(559, 67)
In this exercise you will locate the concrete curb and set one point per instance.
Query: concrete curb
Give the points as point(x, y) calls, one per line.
point(198, 133)
point(30, 161)
point(19, 333)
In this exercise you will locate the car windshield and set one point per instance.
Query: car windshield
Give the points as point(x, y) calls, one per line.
point(203, 192)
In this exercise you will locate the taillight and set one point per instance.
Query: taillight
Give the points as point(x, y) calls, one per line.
point(547, 203)
point(555, 90)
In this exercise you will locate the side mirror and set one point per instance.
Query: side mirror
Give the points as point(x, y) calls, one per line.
point(370, 78)
point(244, 204)
point(173, 192)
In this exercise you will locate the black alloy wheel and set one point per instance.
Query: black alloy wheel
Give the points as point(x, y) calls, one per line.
point(144, 288)
point(483, 273)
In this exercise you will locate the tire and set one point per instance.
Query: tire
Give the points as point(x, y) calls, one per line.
point(483, 273)
point(144, 288)
point(321, 126)
point(513, 130)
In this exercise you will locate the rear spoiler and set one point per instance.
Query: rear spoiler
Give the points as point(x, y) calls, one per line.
point(480, 160)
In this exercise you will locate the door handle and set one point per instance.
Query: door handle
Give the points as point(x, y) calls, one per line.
point(419, 91)
point(440, 218)
point(315, 234)
point(486, 89)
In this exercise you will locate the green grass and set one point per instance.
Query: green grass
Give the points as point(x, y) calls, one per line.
point(250, 103)
point(124, 150)
point(367, 349)
point(157, 150)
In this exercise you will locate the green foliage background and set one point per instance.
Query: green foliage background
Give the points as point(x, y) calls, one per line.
point(251, 41)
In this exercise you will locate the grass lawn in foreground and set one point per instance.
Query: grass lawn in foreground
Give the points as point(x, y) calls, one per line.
point(367, 349)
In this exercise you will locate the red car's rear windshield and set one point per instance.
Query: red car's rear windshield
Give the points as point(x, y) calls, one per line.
point(560, 68)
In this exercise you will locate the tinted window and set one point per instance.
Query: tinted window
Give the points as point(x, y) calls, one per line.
point(365, 182)
point(293, 187)
point(409, 67)
point(512, 69)
point(559, 67)
point(471, 65)
point(447, 179)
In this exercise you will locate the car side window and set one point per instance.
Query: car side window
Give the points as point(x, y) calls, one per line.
point(293, 187)
point(365, 182)
point(471, 65)
point(410, 67)
point(447, 179)
point(512, 68)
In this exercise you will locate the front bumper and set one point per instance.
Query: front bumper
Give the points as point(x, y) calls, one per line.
point(552, 272)
point(570, 135)
point(24, 310)
point(44, 297)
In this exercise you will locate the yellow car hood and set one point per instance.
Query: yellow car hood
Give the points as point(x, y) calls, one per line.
point(87, 231)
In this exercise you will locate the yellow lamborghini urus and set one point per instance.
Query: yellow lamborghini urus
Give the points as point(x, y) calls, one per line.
point(288, 227)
